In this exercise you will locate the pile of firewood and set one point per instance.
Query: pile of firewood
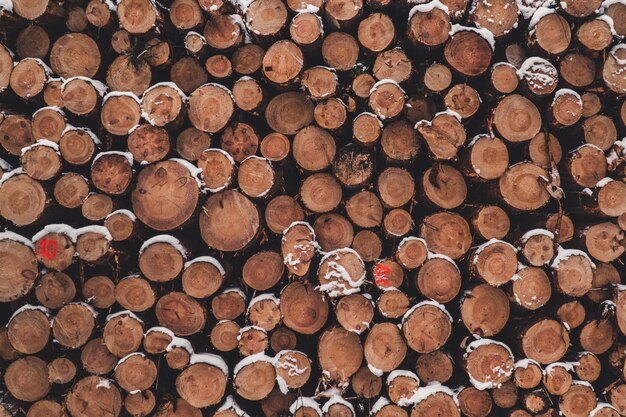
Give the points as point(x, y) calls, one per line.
point(347, 208)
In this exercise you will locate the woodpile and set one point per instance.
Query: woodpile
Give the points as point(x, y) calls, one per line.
point(312, 208)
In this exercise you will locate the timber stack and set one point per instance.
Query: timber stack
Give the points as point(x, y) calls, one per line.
point(312, 208)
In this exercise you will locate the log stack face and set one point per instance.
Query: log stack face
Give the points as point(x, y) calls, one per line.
point(332, 208)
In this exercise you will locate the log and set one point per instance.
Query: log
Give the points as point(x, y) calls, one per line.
point(55, 289)
point(122, 334)
point(306, 30)
point(497, 355)
point(96, 358)
point(304, 309)
point(288, 113)
point(28, 78)
point(16, 133)
point(485, 310)
point(340, 51)
point(73, 325)
point(101, 289)
point(545, 341)
point(92, 395)
point(255, 380)
point(93, 245)
point(27, 379)
point(342, 353)
point(439, 279)
point(446, 233)
point(28, 331)
point(456, 52)
point(426, 327)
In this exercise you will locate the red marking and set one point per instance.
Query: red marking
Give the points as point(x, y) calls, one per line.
point(47, 248)
point(381, 272)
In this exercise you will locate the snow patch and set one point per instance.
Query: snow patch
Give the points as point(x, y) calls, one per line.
point(483, 385)
point(59, 228)
point(194, 171)
point(257, 357)
point(585, 383)
point(127, 357)
point(609, 21)
point(339, 276)
point(379, 405)
point(484, 246)
point(121, 94)
point(241, 4)
point(602, 406)
point(568, 366)
point(53, 108)
point(179, 342)
point(123, 212)
point(170, 240)
point(29, 307)
point(367, 113)
point(196, 34)
point(124, 313)
point(242, 330)
point(160, 329)
point(449, 112)
point(563, 254)
point(604, 181)
point(428, 7)
point(69, 127)
point(536, 232)
point(244, 29)
point(401, 372)
point(567, 91)
point(231, 405)
point(99, 86)
point(618, 47)
point(4, 165)
point(538, 72)
point(337, 399)
point(385, 81)
point(9, 235)
point(127, 155)
point(210, 260)
point(525, 363)
point(433, 255)
point(539, 14)
point(237, 290)
point(425, 303)
point(170, 84)
point(262, 297)
point(484, 33)
point(209, 359)
point(284, 360)
point(6, 5)
point(432, 389)
point(5, 176)
point(104, 383)
point(307, 8)
point(374, 370)
point(307, 402)
point(95, 229)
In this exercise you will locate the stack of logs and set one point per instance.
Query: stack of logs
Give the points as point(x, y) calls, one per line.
point(295, 207)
